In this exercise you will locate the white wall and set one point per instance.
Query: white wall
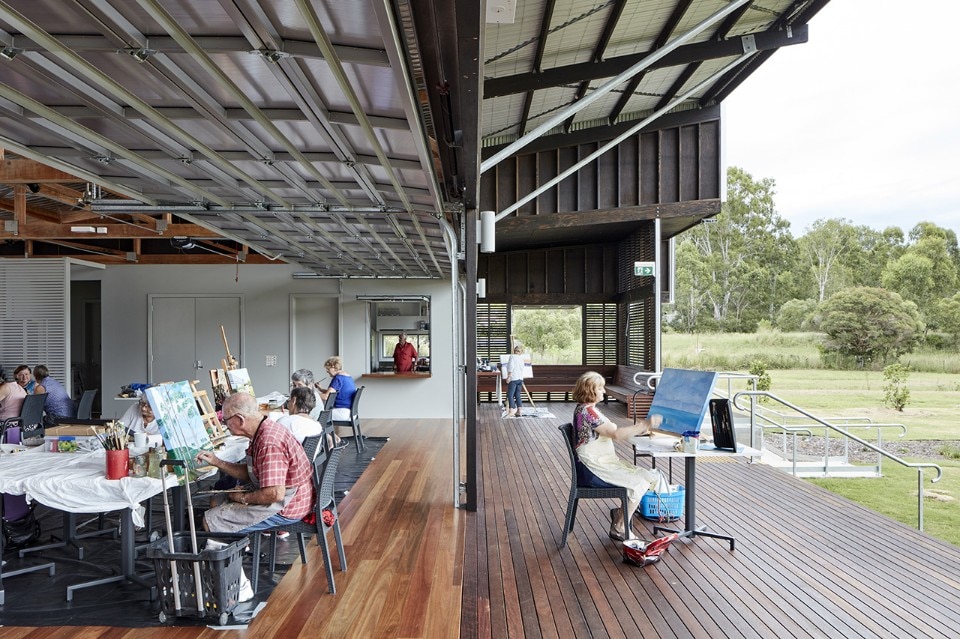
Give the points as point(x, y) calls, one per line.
point(266, 290)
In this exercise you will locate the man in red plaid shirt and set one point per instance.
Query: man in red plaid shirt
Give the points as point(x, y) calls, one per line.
point(276, 473)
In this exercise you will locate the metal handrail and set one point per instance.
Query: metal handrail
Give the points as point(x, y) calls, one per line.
point(919, 466)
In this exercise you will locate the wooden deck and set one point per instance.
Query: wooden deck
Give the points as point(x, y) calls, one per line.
point(807, 563)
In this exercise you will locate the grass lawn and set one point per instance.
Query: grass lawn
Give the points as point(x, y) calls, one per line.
point(796, 375)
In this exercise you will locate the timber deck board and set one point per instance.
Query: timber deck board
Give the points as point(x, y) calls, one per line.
point(807, 563)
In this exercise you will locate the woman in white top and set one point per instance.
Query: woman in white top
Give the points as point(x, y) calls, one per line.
point(515, 382)
point(298, 419)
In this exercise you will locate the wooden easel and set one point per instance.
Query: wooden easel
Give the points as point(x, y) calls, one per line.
point(208, 413)
point(229, 364)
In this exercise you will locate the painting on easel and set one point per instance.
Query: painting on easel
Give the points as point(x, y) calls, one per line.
point(220, 386)
point(181, 426)
point(239, 380)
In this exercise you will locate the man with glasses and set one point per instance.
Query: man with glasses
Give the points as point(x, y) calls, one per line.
point(276, 473)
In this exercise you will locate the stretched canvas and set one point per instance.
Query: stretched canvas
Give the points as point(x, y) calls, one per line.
point(527, 365)
point(181, 426)
point(240, 382)
point(681, 399)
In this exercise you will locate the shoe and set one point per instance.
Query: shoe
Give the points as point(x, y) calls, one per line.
point(614, 533)
point(281, 534)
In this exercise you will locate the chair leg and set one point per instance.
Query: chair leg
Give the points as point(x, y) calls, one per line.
point(302, 542)
point(255, 577)
point(273, 552)
point(339, 540)
point(325, 549)
point(627, 519)
point(358, 436)
point(568, 522)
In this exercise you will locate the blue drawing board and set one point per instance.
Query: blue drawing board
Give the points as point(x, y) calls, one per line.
point(682, 398)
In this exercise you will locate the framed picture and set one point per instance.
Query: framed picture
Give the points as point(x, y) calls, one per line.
point(181, 426)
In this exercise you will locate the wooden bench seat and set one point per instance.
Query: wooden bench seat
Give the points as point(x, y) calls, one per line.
point(552, 382)
point(637, 397)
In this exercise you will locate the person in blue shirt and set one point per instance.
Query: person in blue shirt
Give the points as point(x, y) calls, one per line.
point(343, 385)
point(58, 402)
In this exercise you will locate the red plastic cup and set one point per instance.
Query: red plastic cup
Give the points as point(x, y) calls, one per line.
point(118, 463)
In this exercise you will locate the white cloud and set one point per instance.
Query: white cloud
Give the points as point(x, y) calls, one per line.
point(860, 122)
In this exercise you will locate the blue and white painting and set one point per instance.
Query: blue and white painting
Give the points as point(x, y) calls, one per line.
point(681, 399)
point(181, 426)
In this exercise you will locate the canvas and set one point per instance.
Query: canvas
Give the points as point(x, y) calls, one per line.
point(240, 381)
point(681, 399)
point(527, 365)
point(181, 426)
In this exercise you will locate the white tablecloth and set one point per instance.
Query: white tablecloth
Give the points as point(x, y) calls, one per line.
point(75, 482)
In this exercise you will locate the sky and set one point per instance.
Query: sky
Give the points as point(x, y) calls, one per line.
point(862, 122)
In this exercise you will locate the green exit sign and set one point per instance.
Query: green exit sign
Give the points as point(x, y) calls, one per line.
point(645, 269)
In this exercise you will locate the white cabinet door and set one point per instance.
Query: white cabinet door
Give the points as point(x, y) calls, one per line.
point(185, 340)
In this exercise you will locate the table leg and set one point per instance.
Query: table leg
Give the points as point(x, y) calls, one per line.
point(127, 560)
point(690, 528)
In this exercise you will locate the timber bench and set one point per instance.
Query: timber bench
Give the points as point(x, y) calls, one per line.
point(549, 381)
point(637, 397)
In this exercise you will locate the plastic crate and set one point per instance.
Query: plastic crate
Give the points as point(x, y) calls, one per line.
point(220, 574)
point(663, 507)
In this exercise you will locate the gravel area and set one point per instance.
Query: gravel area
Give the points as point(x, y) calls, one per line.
point(926, 450)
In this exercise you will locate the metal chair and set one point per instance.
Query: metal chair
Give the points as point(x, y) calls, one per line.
point(586, 485)
point(354, 421)
point(85, 405)
point(324, 471)
point(30, 418)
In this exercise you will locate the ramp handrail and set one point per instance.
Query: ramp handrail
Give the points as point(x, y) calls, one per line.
point(919, 466)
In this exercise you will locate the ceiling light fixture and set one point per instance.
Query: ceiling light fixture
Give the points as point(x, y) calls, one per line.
point(142, 54)
point(182, 243)
point(9, 53)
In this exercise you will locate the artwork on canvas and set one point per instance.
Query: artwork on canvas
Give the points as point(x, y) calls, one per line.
point(218, 382)
point(240, 382)
point(681, 399)
point(527, 365)
point(181, 426)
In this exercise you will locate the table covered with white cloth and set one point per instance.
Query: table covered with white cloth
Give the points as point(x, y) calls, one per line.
point(75, 482)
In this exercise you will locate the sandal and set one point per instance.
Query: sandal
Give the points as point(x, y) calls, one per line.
point(614, 533)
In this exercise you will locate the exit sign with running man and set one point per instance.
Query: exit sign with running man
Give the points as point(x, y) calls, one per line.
point(645, 269)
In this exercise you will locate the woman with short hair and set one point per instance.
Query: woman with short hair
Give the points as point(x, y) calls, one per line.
point(593, 436)
point(58, 402)
point(343, 385)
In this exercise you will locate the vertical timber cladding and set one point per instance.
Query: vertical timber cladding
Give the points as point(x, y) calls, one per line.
point(638, 307)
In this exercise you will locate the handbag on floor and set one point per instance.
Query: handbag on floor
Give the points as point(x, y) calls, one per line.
point(21, 532)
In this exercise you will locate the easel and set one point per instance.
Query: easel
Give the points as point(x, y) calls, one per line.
point(208, 413)
point(230, 363)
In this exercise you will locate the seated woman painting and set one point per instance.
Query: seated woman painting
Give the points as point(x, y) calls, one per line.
point(343, 385)
point(593, 437)
point(298, 420)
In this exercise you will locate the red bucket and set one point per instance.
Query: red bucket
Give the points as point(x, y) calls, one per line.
point(118, 463)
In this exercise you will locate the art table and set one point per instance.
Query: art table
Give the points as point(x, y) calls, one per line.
point(77, 483)
point(663, 447)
